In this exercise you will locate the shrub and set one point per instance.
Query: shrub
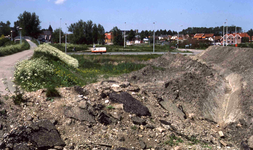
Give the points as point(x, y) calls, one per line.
point(33, 74)
point(11, 49)
point(52, 52)
point(3, 41)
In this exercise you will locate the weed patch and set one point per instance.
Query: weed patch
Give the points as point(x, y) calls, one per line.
point(173, 140)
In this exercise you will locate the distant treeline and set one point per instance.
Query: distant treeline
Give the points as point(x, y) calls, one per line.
point(192, 30)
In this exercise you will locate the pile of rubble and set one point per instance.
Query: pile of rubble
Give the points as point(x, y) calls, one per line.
point(175, 102)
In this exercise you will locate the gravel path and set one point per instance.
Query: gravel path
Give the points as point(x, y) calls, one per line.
point(7, 66)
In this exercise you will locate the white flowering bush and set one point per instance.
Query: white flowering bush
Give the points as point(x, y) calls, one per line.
point(32, 74)
point(46, 49)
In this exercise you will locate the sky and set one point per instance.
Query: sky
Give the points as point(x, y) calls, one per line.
point(133, 14)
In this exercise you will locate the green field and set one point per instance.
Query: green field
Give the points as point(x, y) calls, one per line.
point(51, 68)
point(116, 48)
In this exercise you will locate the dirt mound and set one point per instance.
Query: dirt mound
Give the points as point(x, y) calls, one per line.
point(235, 64)
point(174, 102)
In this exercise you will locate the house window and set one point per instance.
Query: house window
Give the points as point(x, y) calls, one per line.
point(238, 37)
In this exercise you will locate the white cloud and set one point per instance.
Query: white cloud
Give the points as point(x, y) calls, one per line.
point(59, 1)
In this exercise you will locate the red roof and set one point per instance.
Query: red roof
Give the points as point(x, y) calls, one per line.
point(108, 36)
point(241, 34)
point(209, 35)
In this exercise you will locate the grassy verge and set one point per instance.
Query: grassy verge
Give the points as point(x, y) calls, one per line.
point(35, 41)
point(48, 69)
point(11, 49)
point(70, 47)
point(138, 48)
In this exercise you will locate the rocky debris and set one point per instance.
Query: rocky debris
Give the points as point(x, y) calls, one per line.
point(168, 105)
point(130, 104)
point(221, 134)
point(81, 91)
point(138, 120)
point(142, 144)
point(250, 142)
point(41, 135)
point(172, 95)
point(103, 118)
point(121, 148)
point(79, 114)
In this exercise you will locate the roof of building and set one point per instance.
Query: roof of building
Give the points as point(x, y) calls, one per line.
point(108, 35)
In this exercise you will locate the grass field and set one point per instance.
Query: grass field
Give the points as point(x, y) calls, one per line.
point(50, 68)
point(116, 48)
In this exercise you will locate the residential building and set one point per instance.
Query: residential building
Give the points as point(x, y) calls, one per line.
point(235, 38)
point(108, 37)
point(198, 36)
point(45, 35)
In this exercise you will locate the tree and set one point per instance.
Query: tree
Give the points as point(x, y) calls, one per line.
point(55, 36)
point(117, 35)
point(95, 33)
point(5, 28)
point(131, 35)
point(245, 39)
point(78, 30)
point(86, 32)
point(142, 35)
point(250, 33)
point(101, 34)
point(30, 24)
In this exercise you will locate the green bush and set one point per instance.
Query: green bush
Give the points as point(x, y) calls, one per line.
point(11, 49)
point(3, 41)
point(242, 45)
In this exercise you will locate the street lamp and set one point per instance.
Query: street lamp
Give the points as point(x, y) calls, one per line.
point(178, 36)
point(19, 28)
point(60, 32)
point(125, 36)
point(154, 39)
point(223, 33)
point(227, 35)
point(11, 35)
point(66, 40)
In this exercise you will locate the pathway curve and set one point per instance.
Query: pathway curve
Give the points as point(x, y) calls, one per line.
point(7, 66)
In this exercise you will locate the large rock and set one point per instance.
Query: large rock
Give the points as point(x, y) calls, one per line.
point(42, 135)
point(169, 106)
point(79, 114)
point(130, 104)
point(250, 142)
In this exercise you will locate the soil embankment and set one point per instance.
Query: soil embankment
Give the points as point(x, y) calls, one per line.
point(174, 102)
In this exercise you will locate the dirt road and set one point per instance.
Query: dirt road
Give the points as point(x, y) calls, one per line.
point(7, 66)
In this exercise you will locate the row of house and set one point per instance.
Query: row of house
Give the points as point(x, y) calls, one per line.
point(234, 38)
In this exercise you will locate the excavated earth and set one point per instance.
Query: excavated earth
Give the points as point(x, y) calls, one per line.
point(175, 102)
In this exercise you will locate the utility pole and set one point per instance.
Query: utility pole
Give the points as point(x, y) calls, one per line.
point(223, 33)
point(125, 36)
point(235, 36)
point(60, 32)
point(227, 35)
point(154, 39)
point(20, 35)
point(66, 40)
